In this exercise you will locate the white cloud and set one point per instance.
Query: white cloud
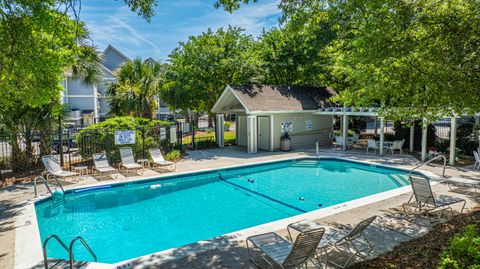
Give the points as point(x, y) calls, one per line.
point(173, 23)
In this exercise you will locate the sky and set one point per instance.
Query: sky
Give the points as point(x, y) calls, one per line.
point(112, 22)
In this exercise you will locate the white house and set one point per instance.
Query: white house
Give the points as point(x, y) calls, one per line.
point(88, 103)
point(265, 112)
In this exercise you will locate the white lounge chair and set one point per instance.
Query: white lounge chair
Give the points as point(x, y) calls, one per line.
point(102, 166)
point(372, 144)
point(463, 185)
point(354, 242)
point(397, 145)
point(424, 202)
point(279, 252)
point(128, 161)
point(159, 160)
point(476, 166)
point(54, 168)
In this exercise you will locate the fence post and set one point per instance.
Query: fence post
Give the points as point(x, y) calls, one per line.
point(68, 150)
point(60, 140)
point(143, 142)
point(179, 136)
point(192, 127)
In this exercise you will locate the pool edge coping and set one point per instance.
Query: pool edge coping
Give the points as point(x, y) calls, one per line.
point(27, 234)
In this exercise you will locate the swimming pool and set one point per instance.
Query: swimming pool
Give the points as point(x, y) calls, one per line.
point(126, 220)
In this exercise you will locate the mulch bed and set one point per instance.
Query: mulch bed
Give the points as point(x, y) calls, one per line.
point(424, 252)
point(11, 178)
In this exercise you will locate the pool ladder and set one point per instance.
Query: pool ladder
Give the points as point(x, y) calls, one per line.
point(431, 160)
point(68, 249)
point(47, 185)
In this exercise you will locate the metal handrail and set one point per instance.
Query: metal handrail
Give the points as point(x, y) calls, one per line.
point(45, 181)
point(431, 160)
point(45, 259)
point(56, 180)
point(70, 251)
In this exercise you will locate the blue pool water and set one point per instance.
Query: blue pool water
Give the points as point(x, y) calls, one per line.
point(128, 220)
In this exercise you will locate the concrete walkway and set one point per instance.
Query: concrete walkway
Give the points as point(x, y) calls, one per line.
point(390, 229)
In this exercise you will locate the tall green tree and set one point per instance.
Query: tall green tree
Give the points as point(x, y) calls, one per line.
point(200, 68)
point(39, 41)
point(416, 58)
point(137, 88)
point(298, 50)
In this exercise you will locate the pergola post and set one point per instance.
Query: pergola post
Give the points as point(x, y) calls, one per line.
point(382, 134)
point(424, 139)
point(344, 130)
point(220, 130)
point(375, 126)
point(412, 137)
point(251, 134)
point(453, 140)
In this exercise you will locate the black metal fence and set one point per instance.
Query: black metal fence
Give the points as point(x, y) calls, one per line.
point(193, 138)
point(21, 156)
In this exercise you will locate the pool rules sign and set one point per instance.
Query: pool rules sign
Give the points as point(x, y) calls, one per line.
point(125, 137)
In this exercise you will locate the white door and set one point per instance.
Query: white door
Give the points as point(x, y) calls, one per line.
point(241, 131)
point(263, 133)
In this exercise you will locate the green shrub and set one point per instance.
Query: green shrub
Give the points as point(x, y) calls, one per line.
point(338, 133)
point(206, 144)
point(463, 251)
point(228, 124)
point(173, 155)
point(101, 136)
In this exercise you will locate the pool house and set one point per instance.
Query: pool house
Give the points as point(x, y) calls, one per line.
point(265, 112)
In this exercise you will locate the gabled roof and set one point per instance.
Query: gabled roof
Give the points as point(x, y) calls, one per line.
point(274, 98)
point(110, 47)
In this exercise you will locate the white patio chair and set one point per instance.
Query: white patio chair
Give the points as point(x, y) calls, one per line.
point(372, 144)
point(396, 145)
point(338, 142)
point(159, 160)
point(102, 166)
point(54, 168)
point(128, 161)
point(425, 202)
point(279, 252)
point(476, 166)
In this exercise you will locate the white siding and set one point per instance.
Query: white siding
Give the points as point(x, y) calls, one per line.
point(77, 87)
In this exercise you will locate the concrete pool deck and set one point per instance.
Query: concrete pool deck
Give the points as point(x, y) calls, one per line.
point(389, 230)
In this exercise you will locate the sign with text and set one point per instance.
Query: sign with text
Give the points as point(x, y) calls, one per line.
point(308, 125)
point(163, 133)
point(125, 137)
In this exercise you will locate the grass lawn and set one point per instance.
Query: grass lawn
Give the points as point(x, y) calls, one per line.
point(208, 136)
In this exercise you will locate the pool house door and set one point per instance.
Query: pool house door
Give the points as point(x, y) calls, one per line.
point(263, 133)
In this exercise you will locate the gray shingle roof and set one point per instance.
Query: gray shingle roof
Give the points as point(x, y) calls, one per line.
point(282, 98)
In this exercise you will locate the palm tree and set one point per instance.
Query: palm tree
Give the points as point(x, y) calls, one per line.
point(136, 91)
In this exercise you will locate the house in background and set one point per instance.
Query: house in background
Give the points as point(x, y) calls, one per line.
point(88, 103)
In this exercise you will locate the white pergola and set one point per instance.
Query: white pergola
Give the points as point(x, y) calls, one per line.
point(345, 112)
